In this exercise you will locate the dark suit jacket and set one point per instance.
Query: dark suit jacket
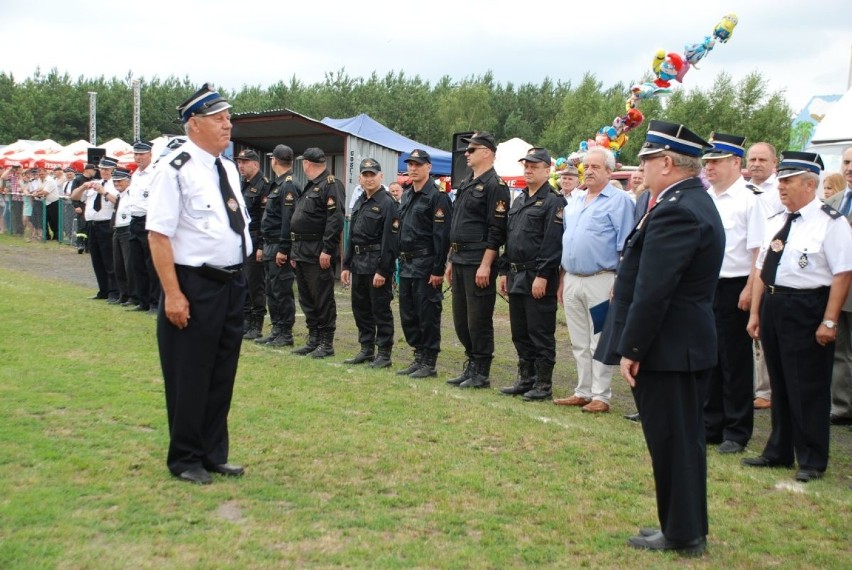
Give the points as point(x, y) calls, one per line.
point(641, 205)
point(835, 202)
point(662, 309)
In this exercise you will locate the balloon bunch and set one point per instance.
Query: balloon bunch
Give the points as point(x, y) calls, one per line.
point(667, 67)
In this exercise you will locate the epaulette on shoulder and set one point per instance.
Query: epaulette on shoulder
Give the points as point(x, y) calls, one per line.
point(266, 180)
point(501, 182)
point(289, 178)
point(754, 189)
point(229, 159)
point(181, 159)
point(778, 213)
point(330, 179)
point(834, 214)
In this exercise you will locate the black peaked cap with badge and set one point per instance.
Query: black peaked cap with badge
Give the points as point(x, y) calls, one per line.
point(313, 154)
point(536, 154)
point(419, 156)
point(725, 145)
point(248, 154)
point(795, 162)
point(206, 101)
point(370, 165)
point(672, 137)
point(282, 152)
point(485, 139)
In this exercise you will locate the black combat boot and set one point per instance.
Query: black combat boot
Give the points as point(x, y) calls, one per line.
point(415, 364)
point(367, 354)
point(525, 380)
point(543, 387)
point(383, 359)
point(311, 345)
point(283, 338)
point(326, 345)
point(427, 365)
point(467, 372)
point(479, 377)
point(276, 330)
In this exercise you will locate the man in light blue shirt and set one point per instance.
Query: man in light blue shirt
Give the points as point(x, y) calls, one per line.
point(595, 228)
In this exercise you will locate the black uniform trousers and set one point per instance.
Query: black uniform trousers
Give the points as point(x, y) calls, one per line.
point(121, 263)
point(100, 249)
point(533, 325)
point(53, 219)
point(473, 311)
point(671, 404)
point(279, 294)
point(729, 406)
point(142, 266)
point(316, 296)
point(256, 295)
point(800, 377)
point(420, 307)
point(199, 365)
point(371, 307)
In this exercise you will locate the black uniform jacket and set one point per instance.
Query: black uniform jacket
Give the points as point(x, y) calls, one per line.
point(374, 225)
point(255, 193)
point(317, 219)
point(661, 313)
point(425, 219)
point(275, 225)
point(479, 218)
point(534, 241)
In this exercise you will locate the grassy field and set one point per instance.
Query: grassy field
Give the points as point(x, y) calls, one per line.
point(346, 466)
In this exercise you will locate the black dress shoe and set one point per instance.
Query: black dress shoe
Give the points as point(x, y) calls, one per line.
point(98, 297)
point(113, 301)
point(648, 531)
point(761, 461)
point(227, 469)
point(805, 475)
point(839, 420)
point(659, 542)
point(632, 417)
point(729, 446)
point(139, 308)
point(197, 475)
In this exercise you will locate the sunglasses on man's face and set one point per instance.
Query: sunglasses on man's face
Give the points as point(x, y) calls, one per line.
point(473, 149)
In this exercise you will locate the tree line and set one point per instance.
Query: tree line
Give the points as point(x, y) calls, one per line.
point(557, 115)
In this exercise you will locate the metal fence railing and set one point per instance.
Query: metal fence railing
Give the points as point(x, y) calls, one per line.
point(12, 219)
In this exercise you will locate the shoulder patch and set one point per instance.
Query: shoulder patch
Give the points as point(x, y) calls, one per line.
point(181, 159)
point(834, 214)
point(558, 215)
point(754, 189)
point(395, 225)
point(500, 208)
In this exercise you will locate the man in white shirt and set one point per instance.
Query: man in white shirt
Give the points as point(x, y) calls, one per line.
point(141, 265)
point(728, 409)
point(121, 238)
point(100, 197)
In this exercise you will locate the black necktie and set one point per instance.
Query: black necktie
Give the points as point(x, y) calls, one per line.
point(97, 205)
point(776, 249)
point(232, 207)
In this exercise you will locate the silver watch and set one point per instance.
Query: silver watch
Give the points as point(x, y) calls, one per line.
point(829, 324)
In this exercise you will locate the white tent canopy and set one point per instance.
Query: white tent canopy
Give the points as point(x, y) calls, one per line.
point(506, 161)
point(834, 133)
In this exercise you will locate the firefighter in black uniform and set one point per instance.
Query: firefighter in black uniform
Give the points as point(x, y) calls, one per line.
point(425, 215)
point(275, 230)
point(369, 264)
point(476, 234)
point(255, 190)
point(315, 233)
point(530, 274)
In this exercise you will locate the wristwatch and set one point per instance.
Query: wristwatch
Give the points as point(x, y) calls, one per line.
point(829, 324)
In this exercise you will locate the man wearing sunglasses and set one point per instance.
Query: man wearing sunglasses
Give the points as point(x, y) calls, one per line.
point(476, 234)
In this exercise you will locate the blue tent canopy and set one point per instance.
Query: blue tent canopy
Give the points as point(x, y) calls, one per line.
point(367, 128)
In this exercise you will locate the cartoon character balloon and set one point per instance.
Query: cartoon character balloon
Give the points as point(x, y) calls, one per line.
point(669, 69)
point(725, 28)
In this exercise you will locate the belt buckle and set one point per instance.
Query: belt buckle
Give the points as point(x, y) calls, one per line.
point(771, 289)
point(292, 236)
point(455, 247)
point(357, 250)
point(513, 267)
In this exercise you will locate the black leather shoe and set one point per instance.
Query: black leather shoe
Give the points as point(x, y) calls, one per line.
point(805, 475)
point(198, 476)
point(729, 446)
point(98, 297)
point(761, 461)
point(839, 420)
point(632, 417)
point(139, 308)
point(227, 469)
point(113, 301)
point(476, 381)
point(660, 543)
point(648, 531)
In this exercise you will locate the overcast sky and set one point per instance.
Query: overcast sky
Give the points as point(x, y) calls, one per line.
point(800, 47)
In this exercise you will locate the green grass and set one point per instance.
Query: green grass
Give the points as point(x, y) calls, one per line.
point(346, 466)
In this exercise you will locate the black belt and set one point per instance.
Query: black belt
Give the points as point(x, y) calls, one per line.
point(780, 290)
point(142, 217)
point(99, 221)
point(359, 249)
point(409, 255)
point(516, 267)
point(305, 237)
point(269, 241)
point(468, 246)
point(220, 274)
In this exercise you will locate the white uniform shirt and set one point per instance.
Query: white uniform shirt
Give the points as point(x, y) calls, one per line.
point(185, 204)
point(736, 206)
point(52, 190)
point(140, 185)
point(818, 248)
point(107, 207)
point(122, 215)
